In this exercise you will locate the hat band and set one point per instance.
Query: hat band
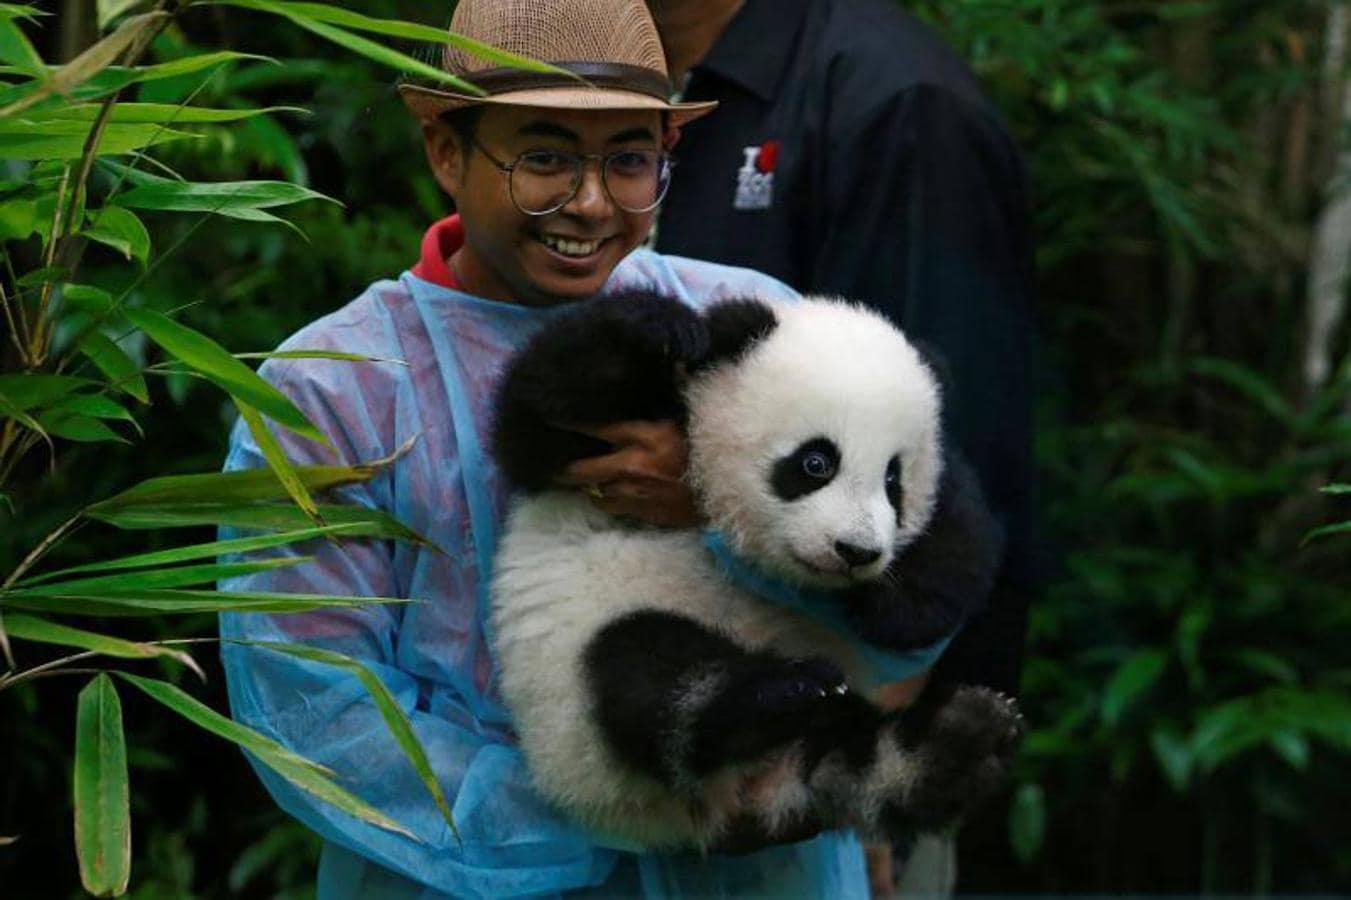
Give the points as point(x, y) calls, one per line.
point(624, 77)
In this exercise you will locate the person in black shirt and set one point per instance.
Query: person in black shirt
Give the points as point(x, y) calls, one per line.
point(854, 154)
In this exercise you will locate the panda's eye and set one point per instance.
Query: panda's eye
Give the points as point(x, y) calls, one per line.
point(893, 483)
point(818, 465)
point(809, 468)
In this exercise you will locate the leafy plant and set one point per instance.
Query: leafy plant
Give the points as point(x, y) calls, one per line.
point(82, 167)
point(1184, 673)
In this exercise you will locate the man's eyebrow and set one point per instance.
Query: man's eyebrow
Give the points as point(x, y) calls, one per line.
point(542, 128)
point(633, 134)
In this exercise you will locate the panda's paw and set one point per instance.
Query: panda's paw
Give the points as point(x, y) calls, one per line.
point(962, 756)
point(766, 705)
point(793, 684)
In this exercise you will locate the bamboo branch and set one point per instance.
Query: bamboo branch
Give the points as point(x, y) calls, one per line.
point(41, 550)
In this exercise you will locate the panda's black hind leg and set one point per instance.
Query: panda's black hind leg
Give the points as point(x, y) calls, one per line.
point(678, 701)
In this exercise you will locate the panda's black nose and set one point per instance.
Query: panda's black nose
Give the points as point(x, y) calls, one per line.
point(854, 555)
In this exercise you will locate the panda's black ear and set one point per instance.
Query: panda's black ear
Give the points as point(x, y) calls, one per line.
point(734, 326)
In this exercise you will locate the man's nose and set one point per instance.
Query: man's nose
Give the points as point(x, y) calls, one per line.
point(592, 200)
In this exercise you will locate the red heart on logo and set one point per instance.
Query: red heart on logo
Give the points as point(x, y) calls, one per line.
point(769, 155)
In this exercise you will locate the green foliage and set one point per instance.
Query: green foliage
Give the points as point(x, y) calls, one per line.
point(1185, 674)
point(94, 323)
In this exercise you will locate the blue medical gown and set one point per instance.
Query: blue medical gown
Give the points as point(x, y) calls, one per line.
point(433, 653)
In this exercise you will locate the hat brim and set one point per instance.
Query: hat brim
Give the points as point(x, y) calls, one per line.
point(429, 103)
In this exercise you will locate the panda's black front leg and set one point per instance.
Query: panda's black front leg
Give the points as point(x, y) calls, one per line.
point(611, 359)
point(679, 701)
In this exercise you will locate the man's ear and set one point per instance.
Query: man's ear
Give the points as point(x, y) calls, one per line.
point(444, 154)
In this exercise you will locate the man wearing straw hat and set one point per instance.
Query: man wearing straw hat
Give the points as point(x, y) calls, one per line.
point(555, 181)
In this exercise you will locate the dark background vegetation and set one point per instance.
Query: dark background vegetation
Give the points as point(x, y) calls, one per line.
point(1188, 677)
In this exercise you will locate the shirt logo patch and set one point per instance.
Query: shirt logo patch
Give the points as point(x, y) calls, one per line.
point(755, 178)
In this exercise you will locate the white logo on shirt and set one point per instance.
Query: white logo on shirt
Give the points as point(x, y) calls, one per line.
point(754, 187)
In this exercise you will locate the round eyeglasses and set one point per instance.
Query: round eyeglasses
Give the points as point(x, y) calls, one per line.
point(545, 181)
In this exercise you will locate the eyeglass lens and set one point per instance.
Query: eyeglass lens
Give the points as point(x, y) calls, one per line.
point(543, 180)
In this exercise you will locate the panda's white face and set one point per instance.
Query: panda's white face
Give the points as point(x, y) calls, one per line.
point(817, 453)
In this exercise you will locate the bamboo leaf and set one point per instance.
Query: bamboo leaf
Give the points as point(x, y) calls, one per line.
point(1255, 388)
point(1291, 746)
point(229, 489)
point(238, 488)
point(217, 197)
point(333, 15)
point(179, 602)
point(153, 579)
point(110, 359)
point(120, 229)
point(1326, 531)
point(198, 551)
point(31, 628)
point(320, 354)
point(18, 51)
point(102, 795)
point(279, 463)
point(359, 45)
point(212, 360)
point(1174, 756)
point(25, 392)
point(18, 219)
point(161, 113)
point(114, 78)
point(92, 61)
point(81, 429)
point(367, 522)
point(301, 772)
point(42, 276)
point(87, 298)
point(25, 139)
point(108, 10)
point(20, 11)
point(390, 710)
point(1135, 676)
point(1027, 822)
point(94, 406)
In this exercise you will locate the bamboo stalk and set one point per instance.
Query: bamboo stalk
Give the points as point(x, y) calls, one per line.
point(1330, 261)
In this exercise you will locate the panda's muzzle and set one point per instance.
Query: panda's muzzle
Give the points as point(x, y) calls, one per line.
point(855, 556)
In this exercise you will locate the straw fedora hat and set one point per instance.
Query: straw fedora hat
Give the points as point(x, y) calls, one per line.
point(611, 44)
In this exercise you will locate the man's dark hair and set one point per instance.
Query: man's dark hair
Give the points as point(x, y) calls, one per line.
point(464, 122)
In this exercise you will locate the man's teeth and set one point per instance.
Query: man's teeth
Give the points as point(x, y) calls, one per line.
point(569, 247)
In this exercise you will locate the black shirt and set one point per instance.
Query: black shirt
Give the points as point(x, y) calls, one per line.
point(853, 154)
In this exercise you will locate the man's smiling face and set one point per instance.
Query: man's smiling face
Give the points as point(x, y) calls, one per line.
point(540, 260)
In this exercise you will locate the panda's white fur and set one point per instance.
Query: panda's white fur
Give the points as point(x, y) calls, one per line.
point(565, 570)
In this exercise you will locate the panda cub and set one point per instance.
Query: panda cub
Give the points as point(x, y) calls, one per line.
point(657, 693)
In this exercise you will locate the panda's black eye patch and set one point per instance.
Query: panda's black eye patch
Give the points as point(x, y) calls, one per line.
point(893, 483)
point(808, 468)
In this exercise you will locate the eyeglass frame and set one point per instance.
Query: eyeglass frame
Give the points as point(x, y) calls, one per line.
point(602, 160)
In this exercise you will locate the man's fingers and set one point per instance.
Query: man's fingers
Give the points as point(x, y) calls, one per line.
point(631, 462)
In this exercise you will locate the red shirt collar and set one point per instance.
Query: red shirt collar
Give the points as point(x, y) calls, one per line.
point(440, 241)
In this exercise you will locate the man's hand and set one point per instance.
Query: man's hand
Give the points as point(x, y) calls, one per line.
point(642, 477)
